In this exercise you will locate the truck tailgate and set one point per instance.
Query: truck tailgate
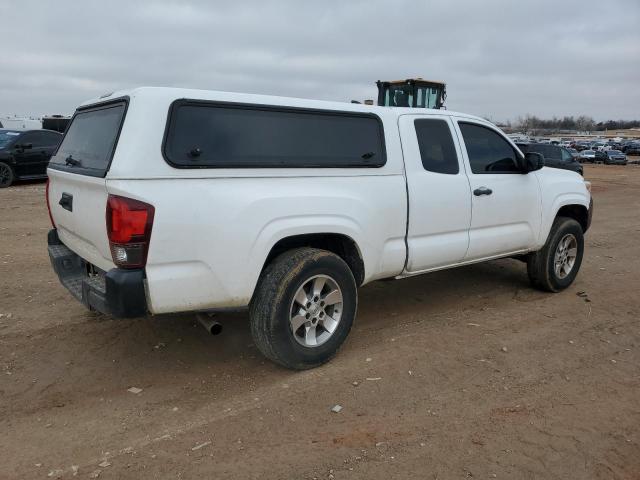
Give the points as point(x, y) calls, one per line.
point(78, 208)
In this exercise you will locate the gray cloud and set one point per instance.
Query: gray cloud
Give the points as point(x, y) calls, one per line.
point(499, 58)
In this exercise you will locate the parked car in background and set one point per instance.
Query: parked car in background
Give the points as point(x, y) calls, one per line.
point(15, 123)
point(554, 156)
point(632, 148)
point(24, 155)
point(587, 156)
point(592, 156)
point(601, 156)
point(580, 146)
point(615, 157)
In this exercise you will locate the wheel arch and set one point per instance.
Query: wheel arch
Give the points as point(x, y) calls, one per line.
point(574, 205)
point(338, 243)
point(578, 212)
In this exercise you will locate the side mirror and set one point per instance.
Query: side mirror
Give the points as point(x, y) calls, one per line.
point(533, 161)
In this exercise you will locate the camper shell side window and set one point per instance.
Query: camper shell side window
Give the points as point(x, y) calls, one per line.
point(203, 134)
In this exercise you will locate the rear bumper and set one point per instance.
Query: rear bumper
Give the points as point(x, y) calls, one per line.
point(118, 292)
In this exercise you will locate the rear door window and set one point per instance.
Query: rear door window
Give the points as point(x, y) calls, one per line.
point(209, 135)
point(437, 150)
point(88, 145)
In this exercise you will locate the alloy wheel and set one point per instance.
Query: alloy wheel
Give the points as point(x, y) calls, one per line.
point(315, 311)
point(5, 175)
point(565, 256)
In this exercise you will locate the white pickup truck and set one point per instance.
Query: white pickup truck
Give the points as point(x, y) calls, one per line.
point(173, 200)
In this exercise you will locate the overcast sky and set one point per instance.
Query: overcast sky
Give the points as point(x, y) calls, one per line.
point(500, 59)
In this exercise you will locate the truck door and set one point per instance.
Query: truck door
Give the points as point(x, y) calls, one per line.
point(439, 194)
point(506, 212)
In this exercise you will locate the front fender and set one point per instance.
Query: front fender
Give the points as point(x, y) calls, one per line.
point(561, 200)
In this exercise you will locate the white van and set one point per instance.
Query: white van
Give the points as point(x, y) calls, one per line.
point(15, 123)
point(171, 200)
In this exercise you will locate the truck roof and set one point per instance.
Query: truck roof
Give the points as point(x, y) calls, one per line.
point(169, 94)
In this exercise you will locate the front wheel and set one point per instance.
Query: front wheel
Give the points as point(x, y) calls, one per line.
point(6, 175)
point(303, 308)
point(556, 265)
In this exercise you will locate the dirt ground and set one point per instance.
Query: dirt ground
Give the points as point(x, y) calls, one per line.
point(457, 374)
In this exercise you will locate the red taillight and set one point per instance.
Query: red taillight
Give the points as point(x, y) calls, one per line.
point(129, 225)
point(46, 194)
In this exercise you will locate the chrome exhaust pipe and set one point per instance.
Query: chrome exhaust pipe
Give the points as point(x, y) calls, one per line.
point(210, 325)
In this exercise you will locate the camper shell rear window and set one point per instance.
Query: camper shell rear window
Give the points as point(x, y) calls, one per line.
point(91, 138)
point(202, 134)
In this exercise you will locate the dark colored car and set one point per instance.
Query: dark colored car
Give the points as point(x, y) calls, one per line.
point(580, 146)
point(632, 148)
point(615, 157)
point(24, 155)
point(554, 156)
point(57, 123)
point(593, 156)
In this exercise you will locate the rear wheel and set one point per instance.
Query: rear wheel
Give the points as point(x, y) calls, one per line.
point(556, 265)
point(6, 175)
point(303, 308)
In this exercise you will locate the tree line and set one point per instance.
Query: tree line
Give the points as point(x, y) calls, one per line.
point(583, 123)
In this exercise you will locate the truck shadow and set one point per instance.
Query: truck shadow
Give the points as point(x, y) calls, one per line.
point(178, 341)
point(449, 291)
point(174, 355)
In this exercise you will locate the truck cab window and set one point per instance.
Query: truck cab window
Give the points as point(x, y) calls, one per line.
point(488, 152)
point(437, 150)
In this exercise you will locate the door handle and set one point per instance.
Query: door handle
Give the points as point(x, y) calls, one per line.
point(66, 201)
point(482, 191)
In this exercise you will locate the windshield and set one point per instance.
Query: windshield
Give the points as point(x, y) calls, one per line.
point(399, 96)
point(427, 97)
point(90, 140)
point(7, 136)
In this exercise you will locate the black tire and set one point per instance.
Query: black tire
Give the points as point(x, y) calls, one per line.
point(273, 302)
point(6, 175)
point(541, 264)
